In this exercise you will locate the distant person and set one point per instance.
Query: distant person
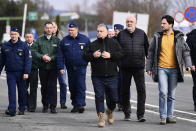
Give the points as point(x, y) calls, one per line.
point(191, 41)
point(111, 33)
point(32, 81)
point(45, 51)
point(117, 29)
point(70, 54)
point(17, 59)
point(167, 53)
point(103, 54)
point(61, 77)
point(134, 43)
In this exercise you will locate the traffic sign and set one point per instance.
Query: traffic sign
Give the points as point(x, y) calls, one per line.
point(33, 16)
point(190, 14)
point(179, 16)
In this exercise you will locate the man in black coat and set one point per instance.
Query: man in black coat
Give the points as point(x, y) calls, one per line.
point(103, 54)
point(191, 41)
point(134, 43)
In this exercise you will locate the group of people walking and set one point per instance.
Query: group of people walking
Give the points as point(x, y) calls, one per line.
point(114, 61)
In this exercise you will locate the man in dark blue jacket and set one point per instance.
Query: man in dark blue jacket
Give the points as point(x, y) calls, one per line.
point(17, 59)
point(70, 52)
point(117, 29)
point(32, 81)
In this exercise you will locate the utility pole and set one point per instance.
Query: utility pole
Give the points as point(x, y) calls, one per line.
point(86, 27)
point(24, 20)
point(43, 5)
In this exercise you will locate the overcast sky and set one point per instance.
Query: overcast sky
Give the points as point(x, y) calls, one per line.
point(63, 4)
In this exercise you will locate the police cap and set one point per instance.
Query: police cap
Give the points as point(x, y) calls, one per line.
point(14, 29)
point(118, 27)
point(73, 25)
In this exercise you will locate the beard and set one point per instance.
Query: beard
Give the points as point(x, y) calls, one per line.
point(131, 29)
point(165, 30)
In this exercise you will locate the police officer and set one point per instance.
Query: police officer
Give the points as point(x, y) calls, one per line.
point(16, 58)
point(117, 29)
point(61, 77)
point(71, 50)
point(32, 81)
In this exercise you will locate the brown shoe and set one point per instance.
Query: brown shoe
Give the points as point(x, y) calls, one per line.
point(110, 116)
point(170, 120)
point(101, 122)
point(162, 121)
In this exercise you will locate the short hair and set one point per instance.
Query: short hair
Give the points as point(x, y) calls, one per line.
point(169, 19)
point(102, 25)
point(53, 22)
point(48, 22)
point(29, 33)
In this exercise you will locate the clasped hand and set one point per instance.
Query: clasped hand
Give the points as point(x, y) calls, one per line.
point(104, 54)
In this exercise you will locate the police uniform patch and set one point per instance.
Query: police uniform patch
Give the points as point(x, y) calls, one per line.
point(81, 43)
point(82, 47)
point(54, 45)
point(67, 44)
point(6, 50)
point(20, 52)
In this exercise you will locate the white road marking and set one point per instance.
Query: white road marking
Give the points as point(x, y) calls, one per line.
point(154, 106)
point(133, 101)
point(153, 112)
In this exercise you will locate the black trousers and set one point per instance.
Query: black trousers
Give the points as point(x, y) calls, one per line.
point(194, 87)
point(48, 79)
point(126, 76)
point(32, 82)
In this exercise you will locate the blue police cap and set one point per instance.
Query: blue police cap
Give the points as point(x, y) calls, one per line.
point(118, 27)
point(73, 25)
point(14, 29)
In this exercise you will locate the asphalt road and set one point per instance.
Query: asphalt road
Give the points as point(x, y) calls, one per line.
point(66, 121)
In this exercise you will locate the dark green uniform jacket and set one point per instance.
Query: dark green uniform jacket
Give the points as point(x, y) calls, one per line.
point(44, 46)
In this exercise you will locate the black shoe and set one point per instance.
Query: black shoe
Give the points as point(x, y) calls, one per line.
point(21, 113)
point(7, 112)
point(53, 110)
point(63, 106)
point(120, 107)
point(141, 119)
point(127, 116)
point(31, 110)
point(45, 110)
point(74, 110)
point(81, 109)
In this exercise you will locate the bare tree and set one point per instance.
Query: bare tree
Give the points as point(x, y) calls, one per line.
point(154, 8)
point(180, 5)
